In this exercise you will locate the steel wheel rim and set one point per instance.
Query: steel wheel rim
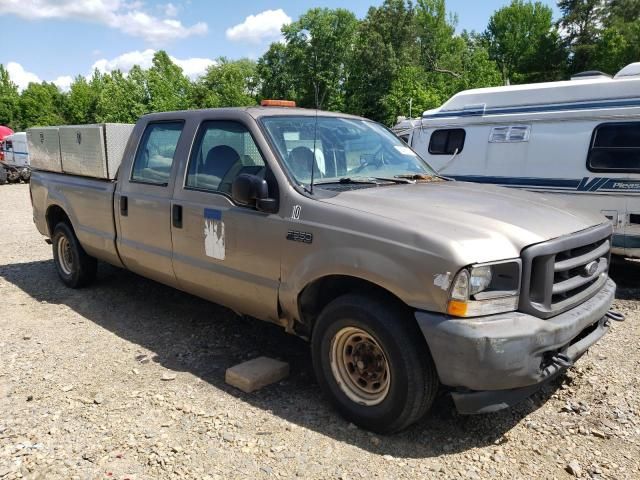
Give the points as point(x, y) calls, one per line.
point(65, 258)
point(360, 366)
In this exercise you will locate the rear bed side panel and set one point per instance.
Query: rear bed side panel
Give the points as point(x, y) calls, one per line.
point(89, 205)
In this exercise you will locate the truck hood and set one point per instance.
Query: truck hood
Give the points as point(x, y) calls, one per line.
point(481, 222)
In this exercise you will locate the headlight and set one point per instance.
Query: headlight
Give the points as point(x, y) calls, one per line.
point(485, 289)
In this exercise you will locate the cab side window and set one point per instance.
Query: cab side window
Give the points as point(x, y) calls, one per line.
point(615, 147)
point(156, 152)
point(447, 141)
point(223, 150)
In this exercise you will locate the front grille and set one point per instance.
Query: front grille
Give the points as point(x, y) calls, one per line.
point(564, 272)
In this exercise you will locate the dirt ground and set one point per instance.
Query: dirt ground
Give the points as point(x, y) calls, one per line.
point(125, 380)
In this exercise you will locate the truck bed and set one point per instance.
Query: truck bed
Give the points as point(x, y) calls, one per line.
point(89, 205)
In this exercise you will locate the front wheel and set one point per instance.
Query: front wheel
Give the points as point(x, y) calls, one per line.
point(372, 363)
point(75, 267)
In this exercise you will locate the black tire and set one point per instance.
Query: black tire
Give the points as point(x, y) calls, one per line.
point(3, 175)
point(412, 377)
point(77, 269)
point(13, 176)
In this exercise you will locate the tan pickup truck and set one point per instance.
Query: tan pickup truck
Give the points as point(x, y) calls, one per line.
point(328, 225)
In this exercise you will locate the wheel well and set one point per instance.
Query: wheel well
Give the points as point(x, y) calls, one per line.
point(55, 215)
point(322, 291)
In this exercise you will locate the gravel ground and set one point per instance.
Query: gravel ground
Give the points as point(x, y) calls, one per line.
point(125, 380)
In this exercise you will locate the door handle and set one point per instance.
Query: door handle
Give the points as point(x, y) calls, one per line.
point(124, 206)
point(176, 215)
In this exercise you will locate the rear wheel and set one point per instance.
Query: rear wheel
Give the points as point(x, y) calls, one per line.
point(372, 363)
point(25, 175)
point(75, 267)
point(13, 175)
point(3, 175)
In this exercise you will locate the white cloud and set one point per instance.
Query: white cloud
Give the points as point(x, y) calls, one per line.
point(193, 67)
point(20, 76)
point(261, 27)
point(123, 15)
point(125, 61)
point(170, 10)
point(63, 82)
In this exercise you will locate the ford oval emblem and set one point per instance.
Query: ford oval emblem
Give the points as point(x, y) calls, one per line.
point(590, 269)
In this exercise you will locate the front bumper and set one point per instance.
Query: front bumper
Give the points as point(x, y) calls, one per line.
point(500, 359)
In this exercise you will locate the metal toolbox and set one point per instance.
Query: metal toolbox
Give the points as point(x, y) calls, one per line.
point(44, 148)
point(94, 150)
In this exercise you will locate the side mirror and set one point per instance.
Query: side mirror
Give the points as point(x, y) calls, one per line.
point(252, 191)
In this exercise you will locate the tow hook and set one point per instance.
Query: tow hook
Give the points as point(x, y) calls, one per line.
point(615, 316)
point(561, 360)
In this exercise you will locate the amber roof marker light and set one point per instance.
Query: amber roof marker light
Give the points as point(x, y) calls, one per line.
point(277, 103)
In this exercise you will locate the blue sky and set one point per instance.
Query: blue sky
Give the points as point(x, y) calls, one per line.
point(54, 40)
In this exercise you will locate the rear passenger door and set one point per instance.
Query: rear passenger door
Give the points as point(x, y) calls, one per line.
point(224, 252)
point(143, 202)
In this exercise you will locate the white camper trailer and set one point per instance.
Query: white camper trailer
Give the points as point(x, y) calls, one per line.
point(578, 138)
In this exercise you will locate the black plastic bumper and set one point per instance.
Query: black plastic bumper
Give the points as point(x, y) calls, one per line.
point(495, 361)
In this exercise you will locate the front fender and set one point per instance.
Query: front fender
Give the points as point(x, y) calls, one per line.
point(397, 272)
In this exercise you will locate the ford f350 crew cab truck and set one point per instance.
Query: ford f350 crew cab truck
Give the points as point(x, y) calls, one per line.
point(330, 226)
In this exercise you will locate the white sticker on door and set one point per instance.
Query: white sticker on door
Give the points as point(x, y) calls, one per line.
point(214, 234)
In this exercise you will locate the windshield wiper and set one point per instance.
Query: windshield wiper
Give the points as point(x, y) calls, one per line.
point(416, 176)
point(348, 180)
point(396, 179)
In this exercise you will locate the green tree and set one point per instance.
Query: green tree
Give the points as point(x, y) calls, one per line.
point(274, 72)
point(123, 99)
point(452, 62)
point(409, 95)
point(227, 84)
point(524, 43)
point(436, 35)
point(581, 23)
point(619, 42)
point(9, 100)
point(319, 47)
point(82, 99)
point(168, 88)
point(41, 104)
point(385, 43)
point(622, 11)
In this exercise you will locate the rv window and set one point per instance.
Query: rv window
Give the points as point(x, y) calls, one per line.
point(447, 142)
point(615, 147)
point(512, 134)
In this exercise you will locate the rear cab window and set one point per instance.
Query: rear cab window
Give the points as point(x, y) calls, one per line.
point(615, 147)
point(155, 156)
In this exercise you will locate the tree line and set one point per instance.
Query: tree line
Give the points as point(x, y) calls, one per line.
point(402, 58)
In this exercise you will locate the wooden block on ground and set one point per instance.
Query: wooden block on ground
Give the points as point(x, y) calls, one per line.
point(257, 373)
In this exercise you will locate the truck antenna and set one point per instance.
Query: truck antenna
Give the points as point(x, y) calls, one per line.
point(315, 135)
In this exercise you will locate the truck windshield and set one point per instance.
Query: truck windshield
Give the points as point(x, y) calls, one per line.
point(345, 149)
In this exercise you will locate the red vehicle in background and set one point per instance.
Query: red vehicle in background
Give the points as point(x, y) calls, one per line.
point(4, 132)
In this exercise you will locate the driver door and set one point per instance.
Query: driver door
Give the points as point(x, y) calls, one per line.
point(223, 252)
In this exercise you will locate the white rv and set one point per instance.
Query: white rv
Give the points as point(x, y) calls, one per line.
point(578, 138)
point(16, 157)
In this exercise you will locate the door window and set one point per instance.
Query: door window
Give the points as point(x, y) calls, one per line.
point(615, 147)
point(156, 152)
point(223, 150)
